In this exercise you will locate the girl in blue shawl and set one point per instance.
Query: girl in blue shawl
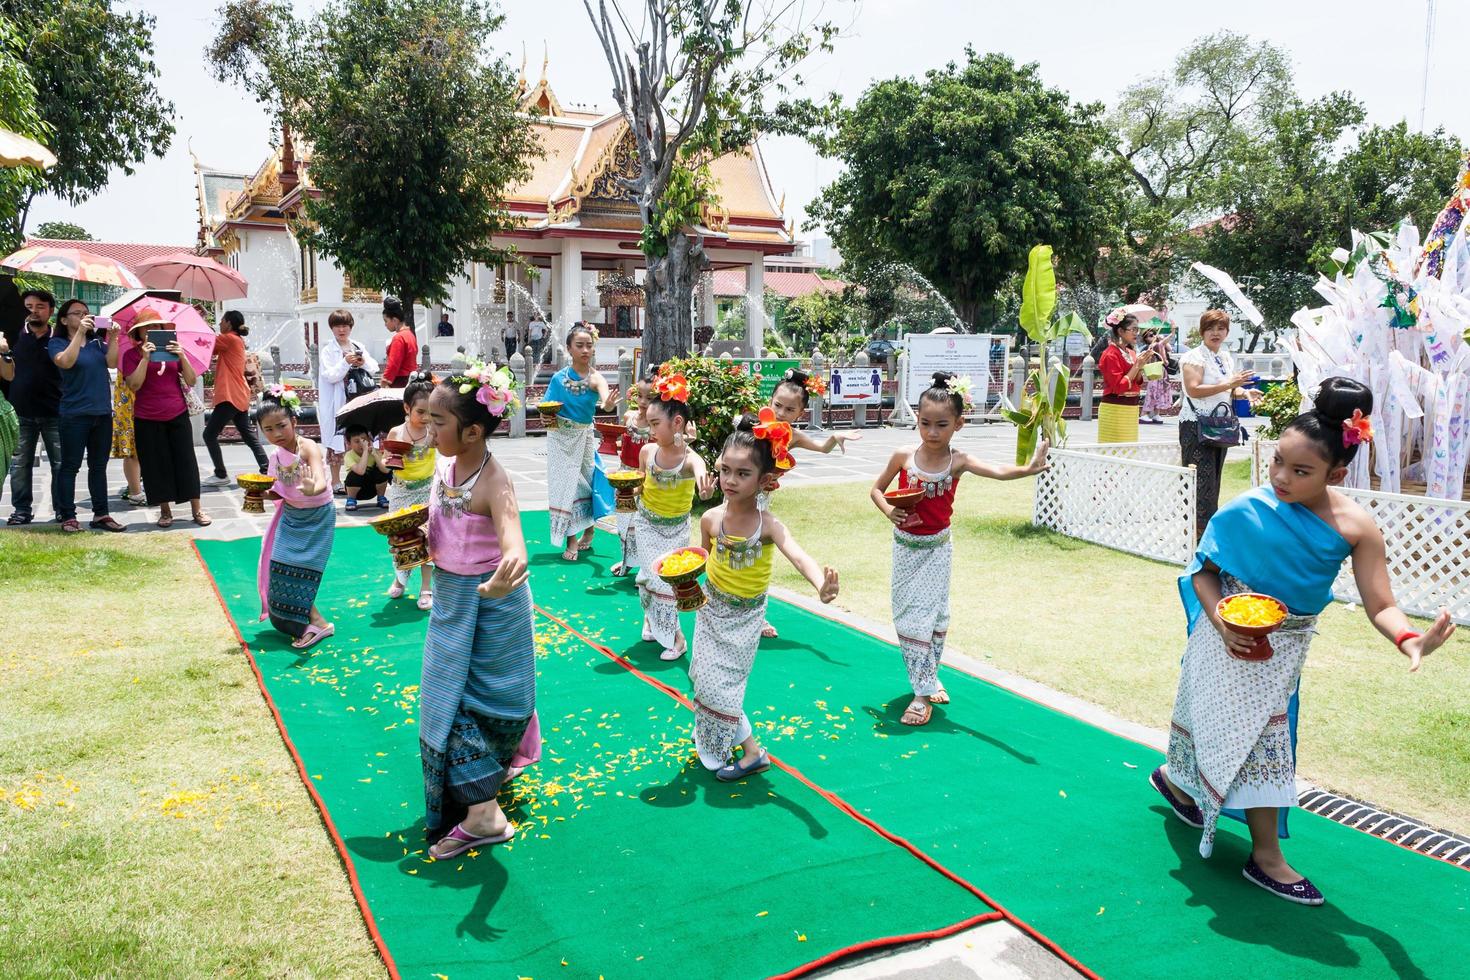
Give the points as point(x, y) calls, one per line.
point(577, 490)
point(1232, 741)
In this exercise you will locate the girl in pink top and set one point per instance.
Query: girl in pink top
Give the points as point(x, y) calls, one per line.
point(477, 697)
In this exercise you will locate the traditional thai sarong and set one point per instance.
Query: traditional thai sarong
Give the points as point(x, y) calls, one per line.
point(577, 491)
point(661, 525)
point(297, 544)
point(727, 631)
point(477, 697)
point(1117, 422)
point(411, 484)
point(922, 556)
point(1232, 741)
point(630, 446)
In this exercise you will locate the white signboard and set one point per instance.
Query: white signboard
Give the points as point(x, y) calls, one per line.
point(855, 386)
point(965, 354)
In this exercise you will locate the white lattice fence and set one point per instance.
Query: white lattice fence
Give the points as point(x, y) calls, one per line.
point(1148, 452)
point(1133, 505)
point(1428, 542)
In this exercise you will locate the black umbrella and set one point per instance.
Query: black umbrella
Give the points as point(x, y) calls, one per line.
point(377, 411)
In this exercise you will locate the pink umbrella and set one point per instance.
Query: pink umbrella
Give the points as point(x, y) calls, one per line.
point(195, 336)
point(192, 275)
point(72, 263)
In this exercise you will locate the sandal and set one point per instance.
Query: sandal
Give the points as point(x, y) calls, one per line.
point(735, 770)
point(918, 713)
point(313, 636)
point(132, 499)
point(396, 590)
point(619, 570)
point(18, 519)
point(426, 599)
point(677, 651)
point(351, 504)
point(939, 697)
point(571, 552)
point(106, 523)
point(461, 840)
point(71, 526)
point(202, 519)
point(166, 521)
point(768, 632)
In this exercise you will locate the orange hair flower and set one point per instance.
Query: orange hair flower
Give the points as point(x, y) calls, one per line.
point(671, 387)
point(1357, 429)
point(778, 433)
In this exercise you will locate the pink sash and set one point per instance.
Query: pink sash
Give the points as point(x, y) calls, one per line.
point(290, 496)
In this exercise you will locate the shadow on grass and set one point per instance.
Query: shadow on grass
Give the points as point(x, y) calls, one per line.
point(483, 872)
point(1248, 915)
point(693, 783)
point(887, 721)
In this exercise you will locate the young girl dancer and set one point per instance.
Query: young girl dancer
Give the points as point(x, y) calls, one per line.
point(922, 551)
point(672, 472)
point(739, 537)
point(414, 473)
point(1232, 744)
point(299, 540)
point(577, 490)
point(630, 453)
point(478, 694)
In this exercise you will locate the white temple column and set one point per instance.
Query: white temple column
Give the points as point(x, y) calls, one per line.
point(707, 300)
point(568, 279)
point(755, 306)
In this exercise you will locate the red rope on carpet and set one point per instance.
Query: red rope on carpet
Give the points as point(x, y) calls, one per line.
point(321, 805)
point(847, 808)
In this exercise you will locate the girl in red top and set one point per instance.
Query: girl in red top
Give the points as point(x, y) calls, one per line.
point(921, 542)
point(1122, 371)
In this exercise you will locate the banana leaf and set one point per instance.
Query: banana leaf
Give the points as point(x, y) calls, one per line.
point(1059, 391)
point(1025, 444)
point(1038, 294)
point(1069, 324)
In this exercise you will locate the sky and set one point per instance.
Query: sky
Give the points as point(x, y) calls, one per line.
point(1091, 49)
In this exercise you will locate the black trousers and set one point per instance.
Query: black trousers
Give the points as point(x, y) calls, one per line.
point(222, 415)
point(1209, 465)
point(166, 459)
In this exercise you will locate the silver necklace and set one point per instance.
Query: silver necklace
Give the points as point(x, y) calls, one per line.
point(741, 554)
point(667, 478)
point(290, 474)
point(457, 498)
point(935, 485)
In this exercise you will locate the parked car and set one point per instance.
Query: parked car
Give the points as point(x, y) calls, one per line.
point(881, 350)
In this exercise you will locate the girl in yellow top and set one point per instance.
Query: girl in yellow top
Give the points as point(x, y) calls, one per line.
point(740, 539)
point(671, 474)
point(414, 476)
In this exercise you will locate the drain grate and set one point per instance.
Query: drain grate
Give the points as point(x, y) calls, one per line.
point(1395, 827)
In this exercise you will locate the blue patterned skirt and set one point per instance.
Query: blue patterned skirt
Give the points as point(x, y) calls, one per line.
point(299, 553)
point(477, 695)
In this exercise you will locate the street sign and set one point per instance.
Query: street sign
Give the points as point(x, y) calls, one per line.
point(855, 386)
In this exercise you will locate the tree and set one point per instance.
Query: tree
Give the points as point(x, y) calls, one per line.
point(413, 129)
point(691, 78)
point(19, 114)
point(1295, 194)
point(64, 231)
point(95, 87)
point(960, 173)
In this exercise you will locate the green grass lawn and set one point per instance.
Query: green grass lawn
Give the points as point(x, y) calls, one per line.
point(1108, 628)
point(151, 821)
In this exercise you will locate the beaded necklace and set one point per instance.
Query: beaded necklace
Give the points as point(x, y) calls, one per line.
point(667, 478)
point(290, 474)
point(456, 499)
point(741, 554)
point(934, 484)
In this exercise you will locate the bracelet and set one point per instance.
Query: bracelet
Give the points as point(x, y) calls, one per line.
point(1398, 641)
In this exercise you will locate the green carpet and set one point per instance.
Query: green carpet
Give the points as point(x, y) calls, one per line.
point(1052, 817)
point(630, 861)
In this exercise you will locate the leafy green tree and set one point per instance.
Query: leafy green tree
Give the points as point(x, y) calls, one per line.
point(95, 82)
point(19, 114)
point(959, 173)
point(412, 124)
point(1293, 195)
point(693, 80)
point(63, 230)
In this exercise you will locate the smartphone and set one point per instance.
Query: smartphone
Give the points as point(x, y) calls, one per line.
point(101, 323)
point(161, 339)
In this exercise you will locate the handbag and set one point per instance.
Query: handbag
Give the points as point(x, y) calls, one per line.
point(192, 402)
point(358, 381)
point(1219, 428)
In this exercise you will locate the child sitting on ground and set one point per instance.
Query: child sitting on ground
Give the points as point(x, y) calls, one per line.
point(367, 471)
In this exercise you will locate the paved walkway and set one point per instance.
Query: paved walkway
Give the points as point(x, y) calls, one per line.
point(525, 458)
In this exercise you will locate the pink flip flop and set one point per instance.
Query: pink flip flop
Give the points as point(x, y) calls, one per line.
point(313, 636)
point(464, 841)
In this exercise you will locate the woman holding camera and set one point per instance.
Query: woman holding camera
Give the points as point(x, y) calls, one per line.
point(161, 427)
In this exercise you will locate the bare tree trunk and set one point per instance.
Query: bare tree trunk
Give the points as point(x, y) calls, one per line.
point(669, 288)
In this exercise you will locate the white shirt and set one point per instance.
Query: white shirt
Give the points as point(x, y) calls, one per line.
point(537, 329)
point(1217, 369)
point(331, 388)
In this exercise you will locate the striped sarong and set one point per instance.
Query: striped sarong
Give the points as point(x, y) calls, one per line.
point(920, 600)
point(477, 697)
point(653, 537)
point(1232, 740)
point(1117, 423)
point(299, 544)
point(727, 631)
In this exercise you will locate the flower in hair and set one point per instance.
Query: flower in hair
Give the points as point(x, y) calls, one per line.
point(493, 387)
point(285, 395)
point(671, 387)
point(961, 386)
point(1357, 430)
point(1115, 317)
point(778, 434)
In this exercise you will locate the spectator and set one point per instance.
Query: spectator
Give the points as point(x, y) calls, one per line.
point(85, 423)
point(536, 332)
point(446, 329)
point(124, 446)
point(35, 394)
point(1210, 380)
point(338, 356)
point(161, 424)
point(232, 398)
point(367, 469)
point(403, 350)
point(512, 335)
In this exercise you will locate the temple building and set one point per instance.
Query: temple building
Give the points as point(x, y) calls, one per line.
point(577, 234)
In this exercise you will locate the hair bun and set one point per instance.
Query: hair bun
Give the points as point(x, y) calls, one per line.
point(744, 422)
point(797, 375)
point(941, 378)
point(1339, 397)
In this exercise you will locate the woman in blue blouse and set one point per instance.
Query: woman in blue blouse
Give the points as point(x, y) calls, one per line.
point(84, 359)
